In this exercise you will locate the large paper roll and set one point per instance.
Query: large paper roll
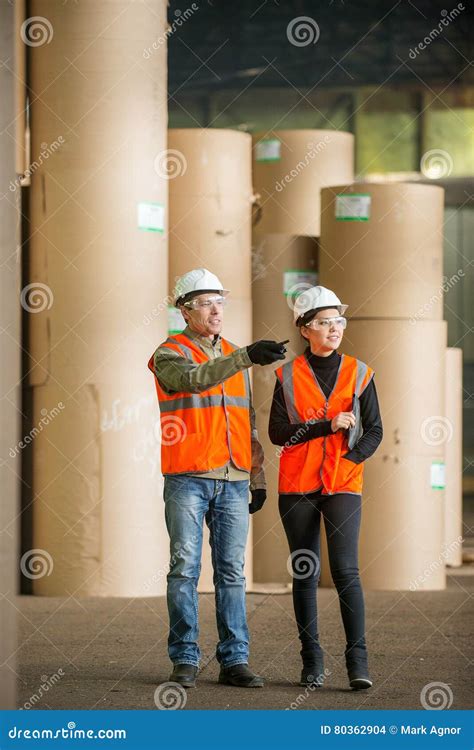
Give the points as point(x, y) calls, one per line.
point(382, 249)
point(210, 226)
point(283, 266)
point(98, 272)
point(290, 167)
point(452, 430)
point(402, 532)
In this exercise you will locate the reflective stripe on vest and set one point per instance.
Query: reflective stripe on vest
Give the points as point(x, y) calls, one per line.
point(202, 431)
point(319, 463)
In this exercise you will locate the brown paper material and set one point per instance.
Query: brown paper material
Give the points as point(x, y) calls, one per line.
point(453, 432)
point(402, 532)
point(290, 167)
point(210, 227)
point(280, 262)
point(391, 264)
point(98, 269)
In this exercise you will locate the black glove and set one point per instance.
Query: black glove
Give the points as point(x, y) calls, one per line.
point(265, 352)
point(258, 499)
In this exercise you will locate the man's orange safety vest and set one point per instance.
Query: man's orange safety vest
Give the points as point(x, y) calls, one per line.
point(319, 463)
point(203, 431)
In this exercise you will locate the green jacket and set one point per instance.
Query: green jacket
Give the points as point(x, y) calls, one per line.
point(176, 374)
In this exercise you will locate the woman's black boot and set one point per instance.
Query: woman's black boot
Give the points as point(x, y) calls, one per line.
point(358, 668)
point(312, 673)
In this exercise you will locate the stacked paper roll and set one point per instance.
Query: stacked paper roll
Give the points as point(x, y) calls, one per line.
point(98, 273)
point(381, 252)
point(382, 249)
point(210, 227)
point(290, 167)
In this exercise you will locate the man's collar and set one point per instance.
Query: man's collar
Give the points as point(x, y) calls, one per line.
point(201, 339)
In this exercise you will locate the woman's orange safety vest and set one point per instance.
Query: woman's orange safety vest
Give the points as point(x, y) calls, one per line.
point(202, 431)
point(320, 463)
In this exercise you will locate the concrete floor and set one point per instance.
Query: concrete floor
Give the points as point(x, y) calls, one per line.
point(96, 653)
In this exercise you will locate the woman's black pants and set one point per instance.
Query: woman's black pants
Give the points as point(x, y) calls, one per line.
point(301, 515)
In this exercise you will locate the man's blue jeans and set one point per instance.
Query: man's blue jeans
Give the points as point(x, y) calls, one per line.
point(224, 505)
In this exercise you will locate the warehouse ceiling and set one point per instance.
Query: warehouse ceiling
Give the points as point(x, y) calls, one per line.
point(225, 44)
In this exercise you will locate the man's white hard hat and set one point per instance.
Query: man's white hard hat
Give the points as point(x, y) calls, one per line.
point(314, 298)
point(197, 281)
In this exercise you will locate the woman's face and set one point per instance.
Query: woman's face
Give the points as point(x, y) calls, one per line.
point(326, 339)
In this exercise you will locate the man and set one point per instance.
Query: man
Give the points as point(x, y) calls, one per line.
point(210, 455)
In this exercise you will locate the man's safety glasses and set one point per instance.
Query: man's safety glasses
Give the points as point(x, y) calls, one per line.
point(206, 304)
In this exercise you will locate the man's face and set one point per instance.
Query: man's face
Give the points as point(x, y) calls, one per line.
point(205, 314)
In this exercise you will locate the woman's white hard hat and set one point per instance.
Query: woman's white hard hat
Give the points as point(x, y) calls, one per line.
point(197, 281)
point(314, 298)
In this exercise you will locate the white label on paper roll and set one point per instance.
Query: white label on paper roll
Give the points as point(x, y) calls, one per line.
point(438, 475)
point(295, 282)
point(268, 150)
point(151, 217)
point(176, 322)
point(353, 207)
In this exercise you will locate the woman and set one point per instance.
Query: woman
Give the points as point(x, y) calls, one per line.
point(314, 416)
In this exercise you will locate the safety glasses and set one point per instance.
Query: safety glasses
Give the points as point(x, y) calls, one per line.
point(324, 324)
point(206, 304)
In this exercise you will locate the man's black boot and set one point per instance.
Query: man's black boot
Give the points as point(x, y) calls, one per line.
point(240, 675)
point(184, 674)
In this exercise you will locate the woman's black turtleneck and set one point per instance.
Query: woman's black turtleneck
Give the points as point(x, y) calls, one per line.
point(282, 431)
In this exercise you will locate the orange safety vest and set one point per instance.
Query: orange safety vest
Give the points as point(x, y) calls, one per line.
point(203, 431)
point(320, 463)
